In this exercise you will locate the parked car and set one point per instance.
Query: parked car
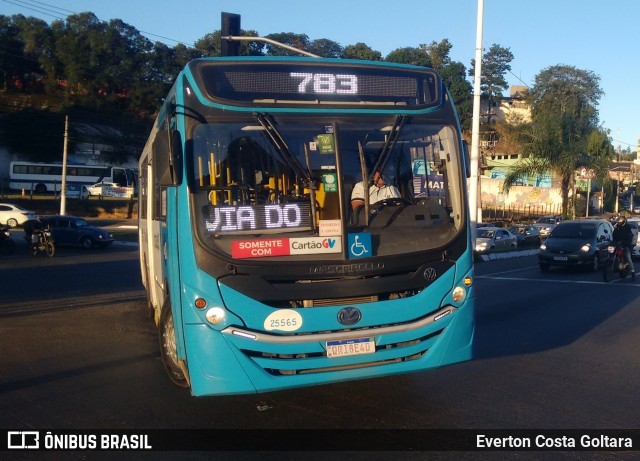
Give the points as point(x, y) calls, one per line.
point(72, 230)
point(545, 224)
point(107, 189)
point(14, 215)
point(490, 239)
point(581, 242)
point(526, 234)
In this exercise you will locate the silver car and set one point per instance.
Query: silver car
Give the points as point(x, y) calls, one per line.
point(634, 223)
point(489, 239)
point(545, 224)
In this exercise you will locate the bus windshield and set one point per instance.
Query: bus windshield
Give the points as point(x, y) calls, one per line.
point(258, 181)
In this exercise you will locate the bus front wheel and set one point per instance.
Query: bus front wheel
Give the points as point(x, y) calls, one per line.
point(168, 348)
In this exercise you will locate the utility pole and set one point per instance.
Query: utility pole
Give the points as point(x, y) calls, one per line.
point(474, 180)
point(63, 188)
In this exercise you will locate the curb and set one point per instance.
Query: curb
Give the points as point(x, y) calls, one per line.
point(125, 243)
point(508, 255)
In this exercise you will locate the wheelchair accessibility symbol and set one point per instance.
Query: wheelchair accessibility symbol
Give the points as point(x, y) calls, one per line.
point(359, 245)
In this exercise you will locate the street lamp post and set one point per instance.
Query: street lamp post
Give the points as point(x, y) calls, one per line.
point(63, 188)
point(474, 178)
point(617, 175)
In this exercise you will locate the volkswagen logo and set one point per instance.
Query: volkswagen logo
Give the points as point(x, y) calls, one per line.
point(430, 274)
point(349, 316)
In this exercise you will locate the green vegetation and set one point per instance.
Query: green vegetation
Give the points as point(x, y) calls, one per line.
point(109, 77)
point(564, 132)
point(110, 80)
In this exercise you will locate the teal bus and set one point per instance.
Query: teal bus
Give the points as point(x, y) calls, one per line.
point(260, 274)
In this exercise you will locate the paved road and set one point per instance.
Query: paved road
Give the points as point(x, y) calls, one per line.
point(553, 351)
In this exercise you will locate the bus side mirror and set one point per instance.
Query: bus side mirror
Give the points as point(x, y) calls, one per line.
point(467, 158)
point(168, 153)
point(175, 159)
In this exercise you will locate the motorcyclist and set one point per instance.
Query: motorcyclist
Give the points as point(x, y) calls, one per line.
point(30, 226)
point(622, 233)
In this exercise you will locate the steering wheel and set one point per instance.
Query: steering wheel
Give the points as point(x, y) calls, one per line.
point(392, 201)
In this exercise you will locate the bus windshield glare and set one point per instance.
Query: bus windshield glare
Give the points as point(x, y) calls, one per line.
point(254, 192)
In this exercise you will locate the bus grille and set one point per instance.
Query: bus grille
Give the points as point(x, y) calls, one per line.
point(386, 354)
point(338, 302)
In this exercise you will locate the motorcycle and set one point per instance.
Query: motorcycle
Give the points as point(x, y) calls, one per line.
point(41, 240)
point(616, 262)
point(7, 245)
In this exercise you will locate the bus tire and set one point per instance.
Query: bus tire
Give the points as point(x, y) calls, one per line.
point(168, 349)
point(40, 188)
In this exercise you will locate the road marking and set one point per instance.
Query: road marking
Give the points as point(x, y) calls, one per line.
point(586, 282)
point(509, 271)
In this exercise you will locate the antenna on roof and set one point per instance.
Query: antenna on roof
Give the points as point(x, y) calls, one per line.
point(230, 36)
point(230, 28)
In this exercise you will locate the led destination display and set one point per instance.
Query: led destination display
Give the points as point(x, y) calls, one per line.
point(287, 82)
point(257, 218)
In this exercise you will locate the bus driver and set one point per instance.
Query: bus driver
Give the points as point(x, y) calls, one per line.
point(377, 191)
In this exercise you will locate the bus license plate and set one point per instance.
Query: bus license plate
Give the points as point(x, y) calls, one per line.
point(560, 258)
point(346, 347)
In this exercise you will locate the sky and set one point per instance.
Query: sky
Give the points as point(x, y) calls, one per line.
point(594, 35)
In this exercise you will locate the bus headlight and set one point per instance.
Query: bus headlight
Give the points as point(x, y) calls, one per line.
point(458, 294)
point(215, 315)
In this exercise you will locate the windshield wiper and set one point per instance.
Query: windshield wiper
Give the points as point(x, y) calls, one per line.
point(390, 143)
point(292, 161)
point(281, 145)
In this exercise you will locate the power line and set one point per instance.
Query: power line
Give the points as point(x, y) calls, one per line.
point(519, 79)
point(622, 142)
point(61, 13)
point(35, 8)
point(52, 6)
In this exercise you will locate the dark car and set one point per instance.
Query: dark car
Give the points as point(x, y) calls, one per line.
point(581, 242)
point(72, 230)
point(527, 235)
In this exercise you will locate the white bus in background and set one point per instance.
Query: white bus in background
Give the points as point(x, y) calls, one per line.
point(47, 177)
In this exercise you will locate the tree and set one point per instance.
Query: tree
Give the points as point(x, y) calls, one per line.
point(599, 153)
point(361, 51)
point(12, 58)
point(38, 50)
point(495, 64)
point(210, 44)
point(453, 76)
point(409, 55)
point(326, 48)
point(438, 53)
point(564, 116)
point(78, 51)
point(436, 56)
point(299, 41)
